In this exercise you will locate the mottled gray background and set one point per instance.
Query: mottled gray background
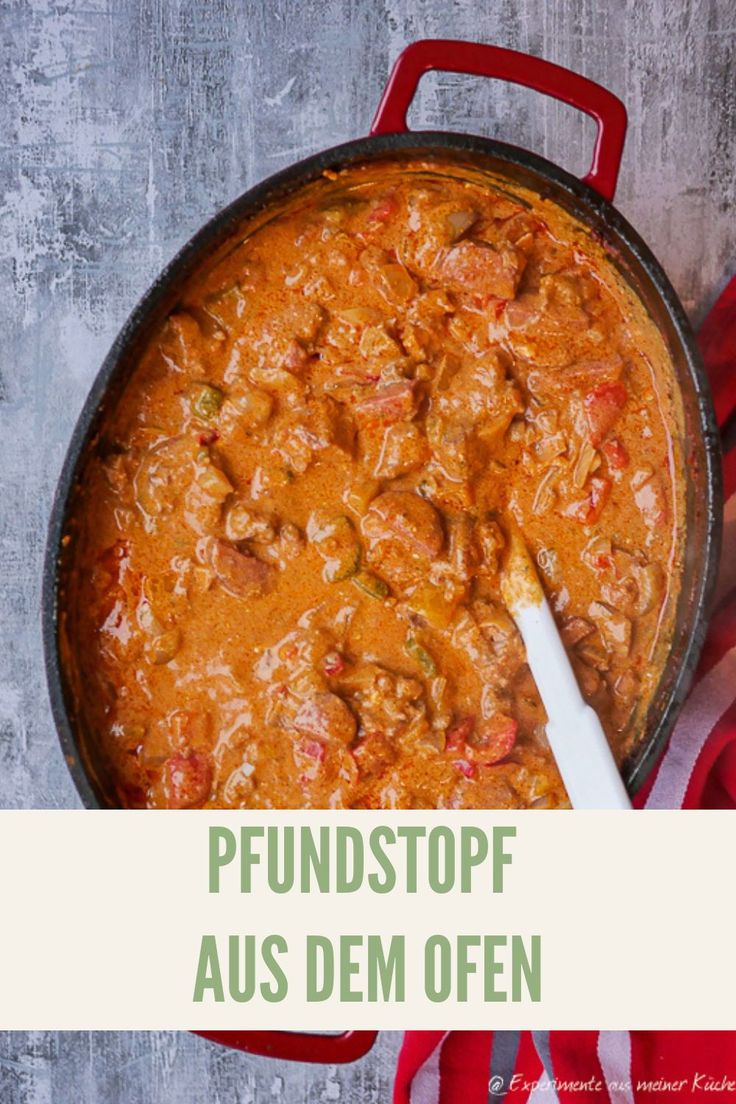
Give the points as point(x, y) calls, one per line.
point(125, 124)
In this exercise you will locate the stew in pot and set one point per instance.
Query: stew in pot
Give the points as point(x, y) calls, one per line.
point(282, 578)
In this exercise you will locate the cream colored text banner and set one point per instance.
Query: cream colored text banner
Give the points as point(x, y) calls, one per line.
point(330, 921)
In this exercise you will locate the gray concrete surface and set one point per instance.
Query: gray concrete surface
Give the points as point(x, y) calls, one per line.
point(124, 124)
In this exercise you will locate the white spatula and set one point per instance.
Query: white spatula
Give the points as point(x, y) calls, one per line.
point(574, 730)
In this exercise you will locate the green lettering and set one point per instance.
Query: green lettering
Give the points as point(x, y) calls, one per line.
point(437, 978)
point(273, 993)
point(208, 972)
point(248, 857)
point(387, 969)
point(242, 975)
point(378, 837)
point(501, 858)
point(441, 883)
point(473, 852)
point(465, 964)
point(348, 875)
point(315, 861)
point(280, 883)
point(411, 835)
point(531, 971)
point(348, 968)
point(491, 968)
point(320, 968)
point(222, 845)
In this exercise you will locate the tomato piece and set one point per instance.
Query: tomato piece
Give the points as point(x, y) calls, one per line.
point(187, 779)
point(333, 664)
point(310, 748)
point(458, 734)
point(602, 407)
point(587, 510)
point(615, 454)
point(208, 438)
point(309, 754)
point(498, 736)
point(465, 767)
point(384, 209)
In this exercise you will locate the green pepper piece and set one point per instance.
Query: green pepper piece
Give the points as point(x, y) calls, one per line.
point(338, 545)
point(413, 648)
point(371, 584)
point(206, 400)
point(226, 306)
point(335, 571)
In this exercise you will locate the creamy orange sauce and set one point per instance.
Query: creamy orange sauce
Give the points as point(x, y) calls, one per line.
point(282, 586)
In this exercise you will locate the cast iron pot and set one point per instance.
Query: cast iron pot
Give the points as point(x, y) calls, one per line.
point(589, 201)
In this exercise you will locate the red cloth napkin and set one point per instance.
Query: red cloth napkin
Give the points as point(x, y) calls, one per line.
point(697, 770)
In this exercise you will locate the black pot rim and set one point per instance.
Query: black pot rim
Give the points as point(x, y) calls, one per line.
point(422, 143)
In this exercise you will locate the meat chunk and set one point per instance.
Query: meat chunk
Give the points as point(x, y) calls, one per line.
point(301, 436)
point(440, 222)
point(403, 518)
point(578, 375)
point(245, 408)
point(475, 409)
point(403, 449)
point(274, 334)
point(650, 497)
point(491, 542)
point(392, 402)
point(390, 279)
point(163, 477)
point(614, 627)
point(387, 703)
point(326, 717)
point(550, 327)
point(575, 629)
point(182, 344)
point(241, 575)
point(373, 754)
point(242, 523)
point(462, 553)
point(478, 268)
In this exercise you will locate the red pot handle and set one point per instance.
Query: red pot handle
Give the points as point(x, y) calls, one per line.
point(717, 341)
point(495, 61)
point(296, 1046)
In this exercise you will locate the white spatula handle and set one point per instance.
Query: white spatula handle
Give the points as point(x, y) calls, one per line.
point(574, 731)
